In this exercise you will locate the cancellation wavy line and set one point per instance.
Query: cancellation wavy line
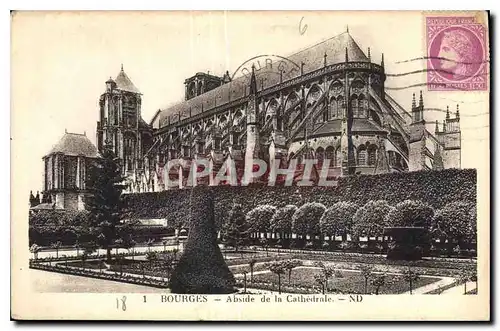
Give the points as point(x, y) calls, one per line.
point(439, 58)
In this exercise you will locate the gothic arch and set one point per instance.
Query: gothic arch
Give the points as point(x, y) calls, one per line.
point(313, 95)
point(361, 155)
point(372, 155)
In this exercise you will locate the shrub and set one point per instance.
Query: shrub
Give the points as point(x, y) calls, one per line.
point(282, 219)
point(410, 213)
point(369, 220)
point(337, 220)
point(456, 221)
point(259, 218)
point(305, 220)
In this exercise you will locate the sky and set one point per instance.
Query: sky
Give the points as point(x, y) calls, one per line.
point(60, 62)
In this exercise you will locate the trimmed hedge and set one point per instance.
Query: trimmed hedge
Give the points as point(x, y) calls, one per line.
point(436, 188)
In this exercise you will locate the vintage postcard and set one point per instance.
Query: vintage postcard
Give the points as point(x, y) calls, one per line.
point(249, 166)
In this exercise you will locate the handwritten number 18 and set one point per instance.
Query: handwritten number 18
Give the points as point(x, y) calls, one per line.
point(123, 303)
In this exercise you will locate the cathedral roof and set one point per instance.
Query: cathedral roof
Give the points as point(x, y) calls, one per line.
point(74, 144)
point(124, 83)
point(313, 58)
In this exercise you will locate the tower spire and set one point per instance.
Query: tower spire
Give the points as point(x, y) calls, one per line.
point(346, 55)
point(347, 28)
point(421, 100)
point(413, 102)
point(369, 55)
point(253, 81)
point(121, 67)
point(447, 112)
point(457, 115)
point(382, 62)
point(324, 59)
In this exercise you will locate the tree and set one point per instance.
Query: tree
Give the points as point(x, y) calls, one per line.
point(366, 273)
point(277, 268)
point(35, 249)
point(150, 243)
point(337, 220)
point(118, 243)
point(105, 204)
point(305, 220)
point(289, 265)
point(236, 230)
point(281, 222)
point(56, 246)
point(369, 220)
point(251, 264)
point(327, 272)
point(321, 280)
point(410, 277)
point(265, 244)
point(259, 218)
point(410, 213)
point(378, 280)
point(465, 275)
point(456, 221)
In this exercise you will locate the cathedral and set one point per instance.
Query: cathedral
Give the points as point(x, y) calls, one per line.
point(325, 102)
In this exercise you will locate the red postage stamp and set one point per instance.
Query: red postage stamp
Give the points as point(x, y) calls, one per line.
point(457, 54)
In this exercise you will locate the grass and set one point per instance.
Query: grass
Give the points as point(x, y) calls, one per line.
point(351, 282)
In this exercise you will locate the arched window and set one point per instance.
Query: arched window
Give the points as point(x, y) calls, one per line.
point(372, 155)
point(333, 108)
point(340, 106)
point(392, 158)
point(354, 106)
point(361, 103)
point(330, 155)
point(338, 157)
point(320, 155)
point(362, 155)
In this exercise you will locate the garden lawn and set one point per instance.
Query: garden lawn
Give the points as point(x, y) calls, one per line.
point(351, 282)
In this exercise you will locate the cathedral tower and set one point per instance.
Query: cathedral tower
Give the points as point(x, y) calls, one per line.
point(417, 135)
point(120, 123)
point(451, 138)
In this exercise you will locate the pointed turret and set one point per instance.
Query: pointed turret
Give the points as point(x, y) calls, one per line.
point(437, 163)
point(124, 83)
point(447, 112)
point(421, 100)
point(382, 62)
point(369, 55)
point(346, 55)
point(413, 102)
point(457, 114)
point(253, 81)
point(436, 130)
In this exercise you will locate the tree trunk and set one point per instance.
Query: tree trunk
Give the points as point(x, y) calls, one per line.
point(108, 254)
point(465, 287)
point(377, 289)
point(57, 253)
point(251, 274)
point(366, 285)
point(245, 282)
point(279, 283)
point(289, 276)
point(411, 287)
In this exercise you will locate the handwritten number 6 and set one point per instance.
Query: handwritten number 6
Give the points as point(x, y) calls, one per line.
point(302, 29)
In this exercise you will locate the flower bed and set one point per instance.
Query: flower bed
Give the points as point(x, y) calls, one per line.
point(246, 268)
point(351, 282)
point(101, 275)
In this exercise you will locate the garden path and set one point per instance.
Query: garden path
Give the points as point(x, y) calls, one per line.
point(459, 289)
